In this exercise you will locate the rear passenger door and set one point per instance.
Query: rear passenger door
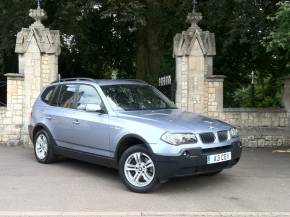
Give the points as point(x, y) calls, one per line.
point(45, 110)
point(64, 114)
point(91, 129)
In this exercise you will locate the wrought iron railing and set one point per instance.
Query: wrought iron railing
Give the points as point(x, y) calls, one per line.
point(166, 85)
point(3, 93)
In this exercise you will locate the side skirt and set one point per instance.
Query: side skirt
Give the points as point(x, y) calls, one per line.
point(87, 157)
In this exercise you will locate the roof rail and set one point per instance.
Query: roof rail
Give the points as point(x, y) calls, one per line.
point(136, 80)
point(74, 79)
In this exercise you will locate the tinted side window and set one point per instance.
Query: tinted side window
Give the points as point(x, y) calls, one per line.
point(87, 95)
point(47, 94)
point(54, 100)
point(67, 96)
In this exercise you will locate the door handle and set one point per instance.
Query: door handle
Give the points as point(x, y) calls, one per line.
point(49, 117)
point(76, 122)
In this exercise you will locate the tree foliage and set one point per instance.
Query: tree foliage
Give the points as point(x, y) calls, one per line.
point(278, 40)
point(13, 16)
point(240, 27)
point(279, 37)
point(134, 38)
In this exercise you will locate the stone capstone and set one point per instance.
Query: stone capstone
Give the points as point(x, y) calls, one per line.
point(48, 41)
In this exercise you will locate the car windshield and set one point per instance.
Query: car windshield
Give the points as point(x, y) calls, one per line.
point(132, 97)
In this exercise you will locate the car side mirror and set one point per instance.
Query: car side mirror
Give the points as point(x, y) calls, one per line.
point(93, 108)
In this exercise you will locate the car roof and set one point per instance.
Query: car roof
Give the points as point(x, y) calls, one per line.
point(101, 82)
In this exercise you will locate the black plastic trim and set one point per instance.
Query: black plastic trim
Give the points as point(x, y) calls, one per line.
point(87, 157)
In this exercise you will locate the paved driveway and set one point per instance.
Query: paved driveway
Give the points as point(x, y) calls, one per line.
point(259, 183)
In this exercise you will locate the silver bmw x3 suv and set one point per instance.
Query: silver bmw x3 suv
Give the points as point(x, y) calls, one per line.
point(129, 125)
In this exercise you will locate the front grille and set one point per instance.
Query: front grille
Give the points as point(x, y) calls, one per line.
point(222, 135)
point(207, 138)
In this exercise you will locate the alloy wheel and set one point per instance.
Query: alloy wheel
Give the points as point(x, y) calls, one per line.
point(41, 146)
point(139, 169)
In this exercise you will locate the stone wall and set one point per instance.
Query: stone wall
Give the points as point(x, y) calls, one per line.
point(2, 127)
point(265, 137)
point(259, 127)
point(249, 117)
point(12, 116)
point(240, 117)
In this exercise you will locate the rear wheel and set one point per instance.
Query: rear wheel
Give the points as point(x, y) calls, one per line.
point(137, 170)
point(43, 147)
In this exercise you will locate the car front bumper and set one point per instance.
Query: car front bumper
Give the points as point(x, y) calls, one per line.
point(194, 161)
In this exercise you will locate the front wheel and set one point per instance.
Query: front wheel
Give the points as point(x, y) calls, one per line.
point(137, 170)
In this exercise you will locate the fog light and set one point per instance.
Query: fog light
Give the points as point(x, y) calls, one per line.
point(185, 153)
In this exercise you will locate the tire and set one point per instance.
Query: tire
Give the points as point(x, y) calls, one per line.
point(43, 147)
point(212, 173)
point(139, 178)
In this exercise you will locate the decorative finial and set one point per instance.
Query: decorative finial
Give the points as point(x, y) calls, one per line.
point(38, 3)
point(38, 15)
point(194, 3)
point(194, 17)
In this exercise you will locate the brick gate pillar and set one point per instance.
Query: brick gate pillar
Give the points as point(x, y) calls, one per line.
point(38, 49)
point(193, 50)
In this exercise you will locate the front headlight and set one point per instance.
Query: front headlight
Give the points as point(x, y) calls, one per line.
point(179, 138)
point(234, 132)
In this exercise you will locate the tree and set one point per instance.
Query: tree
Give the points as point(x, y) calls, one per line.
point(154, 24)
point(13, 15)
point(133, 38)
point(240, 26)
point(278, 40)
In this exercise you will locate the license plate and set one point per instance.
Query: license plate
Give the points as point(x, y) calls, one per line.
point(217, 158)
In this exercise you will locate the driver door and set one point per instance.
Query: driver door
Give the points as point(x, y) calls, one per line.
point(91, 129)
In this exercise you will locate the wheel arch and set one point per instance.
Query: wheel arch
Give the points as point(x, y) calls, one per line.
point(128, 141)
point(37, 128)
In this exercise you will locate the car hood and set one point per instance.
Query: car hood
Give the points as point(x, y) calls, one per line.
point(175, 120)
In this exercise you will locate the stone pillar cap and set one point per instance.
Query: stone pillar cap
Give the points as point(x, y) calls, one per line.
point(215, 77)
point(15, 76)
point(48, 41)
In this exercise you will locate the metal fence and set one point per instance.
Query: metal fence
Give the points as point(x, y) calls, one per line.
point(167, 86)
point(3, 93)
